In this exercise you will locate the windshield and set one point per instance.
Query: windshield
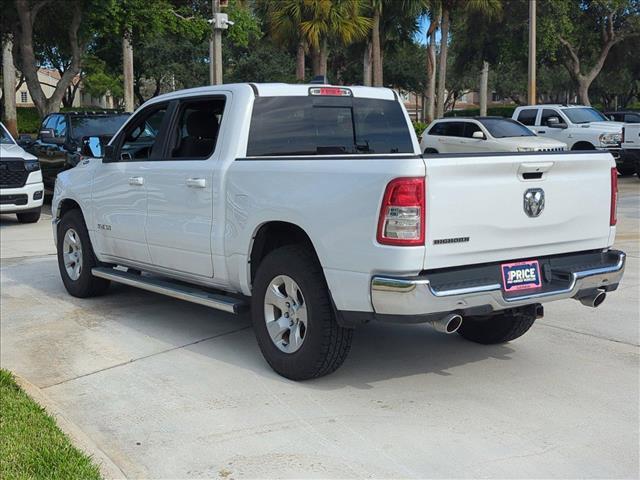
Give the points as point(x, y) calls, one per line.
point(503, 128)
point(327, 126)
point(584, 115)
point(5, 138)
point(106, 125)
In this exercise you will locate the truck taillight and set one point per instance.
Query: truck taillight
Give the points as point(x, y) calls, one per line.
point(402, 215)
point(613, 218)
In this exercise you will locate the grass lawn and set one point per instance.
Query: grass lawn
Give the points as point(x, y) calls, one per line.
point(31, 445)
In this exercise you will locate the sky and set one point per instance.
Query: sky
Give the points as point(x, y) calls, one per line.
point(424, 26)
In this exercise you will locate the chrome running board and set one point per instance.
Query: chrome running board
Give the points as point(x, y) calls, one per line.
point(176, 290)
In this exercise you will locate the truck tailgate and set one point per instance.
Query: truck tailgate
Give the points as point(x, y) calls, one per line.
point(476, 206)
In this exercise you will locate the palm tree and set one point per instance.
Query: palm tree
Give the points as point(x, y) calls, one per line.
point(284, 19)
point(434, 21)
point(485, 7)
point(402, 13)
point(326, 21)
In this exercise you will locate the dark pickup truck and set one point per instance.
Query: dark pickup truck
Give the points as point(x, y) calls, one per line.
point(60, 139)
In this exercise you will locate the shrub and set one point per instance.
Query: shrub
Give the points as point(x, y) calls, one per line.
point(419, 127)
point(28, 120)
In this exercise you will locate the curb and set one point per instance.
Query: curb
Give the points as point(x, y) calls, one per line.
point(108, 469)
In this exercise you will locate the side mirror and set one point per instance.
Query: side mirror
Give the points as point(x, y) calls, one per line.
point(479, 135)
point(554, 122)
point(46, 134)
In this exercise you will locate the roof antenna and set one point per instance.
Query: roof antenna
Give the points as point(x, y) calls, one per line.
point(319, 80)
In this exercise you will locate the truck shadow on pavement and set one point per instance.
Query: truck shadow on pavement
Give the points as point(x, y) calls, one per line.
point(59, 338)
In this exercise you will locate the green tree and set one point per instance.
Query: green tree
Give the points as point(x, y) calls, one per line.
point(587, 31)
point(319, 24)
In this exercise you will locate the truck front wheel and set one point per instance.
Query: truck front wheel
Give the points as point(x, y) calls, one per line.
point(500, 328)
point(293, 317)
point(76, 257)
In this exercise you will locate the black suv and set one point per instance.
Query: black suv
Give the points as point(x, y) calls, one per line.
point(59, 143)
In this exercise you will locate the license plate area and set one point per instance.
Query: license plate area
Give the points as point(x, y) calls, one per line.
point(519, 276)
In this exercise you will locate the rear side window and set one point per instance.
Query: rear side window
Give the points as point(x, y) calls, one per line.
point(448, 129)
point(327, 126)
point(528, 116)
point(196, 132)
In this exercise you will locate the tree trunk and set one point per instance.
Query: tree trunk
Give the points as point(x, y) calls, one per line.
point(583, 90)
point(324, 55)
point(367, 67)
point(484, 88)
point(10, 117)
point(431, 70)
point(27, 14)
point(127, 72)
point(315, 61)
point(442, 77)
point(300, 62)
point(376, 52)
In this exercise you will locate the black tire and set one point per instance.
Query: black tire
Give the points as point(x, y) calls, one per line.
point(428, 151)
point(583, 146)
point(28, 217)
point(86, 285)
point(626, 170)
point(499, 328)
point(326, 344)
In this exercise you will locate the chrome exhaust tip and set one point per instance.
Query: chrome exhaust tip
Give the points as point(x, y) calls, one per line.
point(594, 300)
point(448, 324)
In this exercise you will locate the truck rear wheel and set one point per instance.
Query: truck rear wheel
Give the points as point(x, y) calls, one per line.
point(499, 328)
point(293, 318)
point(76, 258)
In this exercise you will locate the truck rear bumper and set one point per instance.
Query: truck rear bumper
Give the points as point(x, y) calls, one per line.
point(477, 290)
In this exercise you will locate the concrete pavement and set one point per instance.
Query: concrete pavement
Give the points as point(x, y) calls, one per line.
point(168, 389)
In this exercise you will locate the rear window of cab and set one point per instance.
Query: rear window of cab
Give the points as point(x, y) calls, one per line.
point(311, 125)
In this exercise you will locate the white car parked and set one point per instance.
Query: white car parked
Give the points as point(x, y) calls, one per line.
point(483, 135)
point(21, 188)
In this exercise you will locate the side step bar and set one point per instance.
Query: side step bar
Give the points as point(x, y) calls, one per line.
point(176, 290)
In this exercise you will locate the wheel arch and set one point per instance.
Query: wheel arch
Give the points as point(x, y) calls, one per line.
point(583, 145)
point(274, 234)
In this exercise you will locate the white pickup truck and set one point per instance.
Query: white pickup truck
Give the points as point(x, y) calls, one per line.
point(313, 206)
point(580, 127)
point(631, 144)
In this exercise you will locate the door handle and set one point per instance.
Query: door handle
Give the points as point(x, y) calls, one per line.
point(542, 131)
point(136, 181)
point(196, 182)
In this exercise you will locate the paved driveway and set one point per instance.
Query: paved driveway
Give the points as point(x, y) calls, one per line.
point(169, 389)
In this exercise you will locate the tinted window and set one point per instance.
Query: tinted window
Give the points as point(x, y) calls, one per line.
point(140, 136)
point(470, 128)
point(584, 115)
point(50, 122)
point(528, 116)
point(327, 126)
point(5, 138)
point(61, 127)
point(452, 129)
point(197, 129)
point(632, 118)
point(438, 129)
point(94, 126)
point(547, 114)
point(504, 128)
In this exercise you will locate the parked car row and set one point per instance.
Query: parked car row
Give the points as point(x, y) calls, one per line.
point(537, 128)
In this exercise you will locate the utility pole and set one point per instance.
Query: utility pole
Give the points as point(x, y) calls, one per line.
point(215, 46)
point(127, 71)
point(532, 53)
point(9, 87)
